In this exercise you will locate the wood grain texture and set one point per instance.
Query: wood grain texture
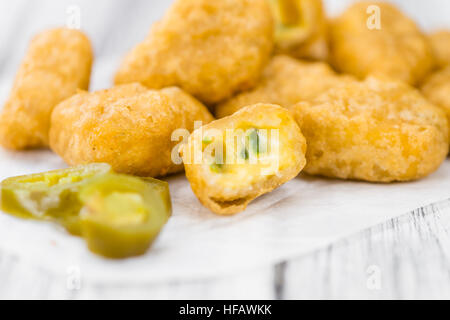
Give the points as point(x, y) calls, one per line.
point(404, 258)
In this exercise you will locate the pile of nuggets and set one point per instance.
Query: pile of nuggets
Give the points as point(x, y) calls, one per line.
point(363, 96)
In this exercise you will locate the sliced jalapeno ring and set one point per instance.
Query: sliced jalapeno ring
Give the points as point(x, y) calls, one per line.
point(49, 196)
point(122, 215)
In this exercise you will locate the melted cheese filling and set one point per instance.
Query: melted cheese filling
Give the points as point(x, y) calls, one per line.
point(257, 154)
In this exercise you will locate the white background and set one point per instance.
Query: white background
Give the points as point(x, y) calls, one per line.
point(115, 26)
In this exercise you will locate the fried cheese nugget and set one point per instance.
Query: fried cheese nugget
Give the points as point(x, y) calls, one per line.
point(57, 64)
point(286, 81)
point(211, 49)
point(300, 28)
point(232, 161)
point(129, 127)
point(376, 130)
point(440, 42)
point(437, 89)
point(397, 48)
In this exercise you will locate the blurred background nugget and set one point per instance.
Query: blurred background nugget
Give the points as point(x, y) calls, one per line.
point(437, 89)
point(395, 47)
point(129, 127)
point(211, 49)
point(300, 28)
point(244, 156)
point(57, 64)
point(440, 42)
point(376, 130)
point(285, 81)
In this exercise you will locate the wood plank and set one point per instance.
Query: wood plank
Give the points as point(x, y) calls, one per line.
point(404, 258)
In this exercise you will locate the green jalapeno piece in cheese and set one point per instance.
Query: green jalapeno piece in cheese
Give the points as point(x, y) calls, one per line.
point(291, 28)
point(49, 196)
point(207, 140)
point(122, 215)
point(254, 141)
point(257, 142)
point(216, 167)
point(244, 153)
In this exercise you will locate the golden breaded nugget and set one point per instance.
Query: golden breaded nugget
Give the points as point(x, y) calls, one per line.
point(232, 161)
point(375, 130)
point(128, 127)
point(285, 82)
point(300, 28)
point(440, 41)
point(211, 49)
point(437, 89)
point(57, 64)
point(395, 47)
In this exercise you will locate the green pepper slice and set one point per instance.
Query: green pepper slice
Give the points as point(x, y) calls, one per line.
point(122, 215)
point(49, 196)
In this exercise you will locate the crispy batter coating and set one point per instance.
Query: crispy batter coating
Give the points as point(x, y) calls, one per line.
point(437, 89)
point(273, 154)
point(300, 28)
point(375, 130)
point(57, 64)
point(128, 127)
point(211, 49)
point(285, 82)
point(440, 41)
point(397, 49)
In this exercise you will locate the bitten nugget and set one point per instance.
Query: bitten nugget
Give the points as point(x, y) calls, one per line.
point(57, 64)
point(395, 47)
point(300, 28)
point(285, 82)
point(128, 127)
point(234, 160)
point(211, 49)
point(376, 130)
point(440, 41)
point(437, 89)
